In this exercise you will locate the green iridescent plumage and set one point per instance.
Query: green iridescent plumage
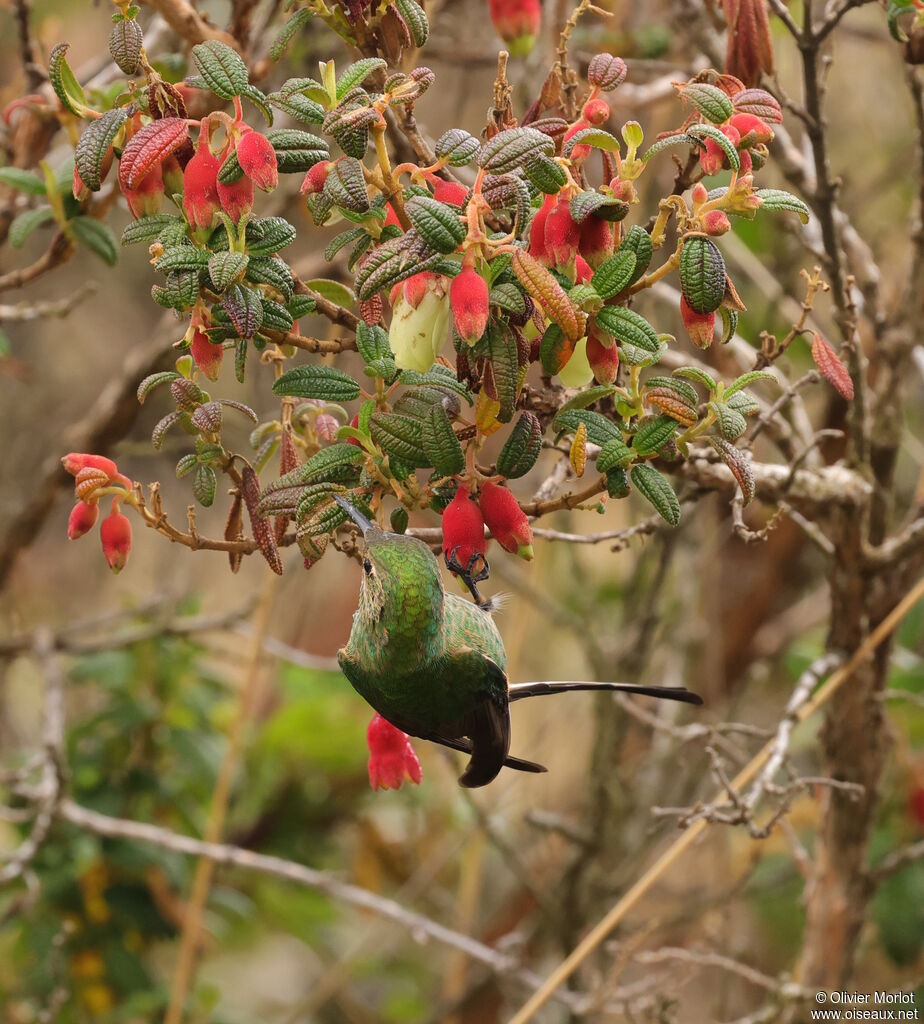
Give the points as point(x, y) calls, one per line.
point(433, 664)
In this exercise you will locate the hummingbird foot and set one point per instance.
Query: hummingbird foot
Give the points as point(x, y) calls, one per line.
point(468, 574)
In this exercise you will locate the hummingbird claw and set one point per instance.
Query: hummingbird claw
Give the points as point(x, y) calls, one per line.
point(467, 573)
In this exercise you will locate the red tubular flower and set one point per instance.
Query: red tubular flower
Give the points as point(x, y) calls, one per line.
point(390, 217)
point(147, 197)
point(115, 532)
point(200, 185)
point(603, 361)
point(74, 462)
point(916, 804)
point(82, 519)
point(506, 520)
point(391, 756)
point(517, 23)
point(468, 298)
point(596, 240)
point(463, 528)
point(315, 178)
point(700, 326)
point(257, 158)
point(207, 356)
point(583, 271)
point(562, 232)
point(537, 246)
point(236, 199)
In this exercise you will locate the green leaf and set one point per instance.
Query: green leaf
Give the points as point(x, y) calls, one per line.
point(697, 374)
point(587, 396)
point(729, 323)
point(776, 199)
point(714, 104)
point(512, 148)
point(372, 342)
point(509, 298)
point(680, 139)
point(272, 271)
point(739, 464)
point(285, 35)
point(26, 222)
point(346, 186)
point(333, 291)
point(555, 349)
point(730, 422)
point(545, 174)
point(436, 377)
point(64, 82)
point(227, 267)
point(357, 73)
point(440, 443)
point(268, 235)
point(91, 149)
point(627, 326)
point(653, 435)
point(595, 137)
point(615, 454)
point(182, 257)
point(97, 237)
point(702, 274)
point(599, 428)
point(180, 290)
point(522, 448)
point(297, 106)
point(638, 241)
point(439, 225)
point(400, 436)
point(297, 151)
point(656, 489)
point(614, 274)
point(337, 463)
point(244, 307)
point(583, 204)
point(155, 380)
point(709, 131)
point(501, 385)
point(22, 181)
point(457, 147)
point(743, 402)
point(204, 484)
point(316, 381)
point(125, 42)
point(416, 20)
point(186, 465)
point(224, 71)
point(275, 316)
point(686, 392)
point(260, 100)
point(745, 379)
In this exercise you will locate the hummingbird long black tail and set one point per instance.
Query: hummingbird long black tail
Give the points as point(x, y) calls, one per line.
point(517, 691)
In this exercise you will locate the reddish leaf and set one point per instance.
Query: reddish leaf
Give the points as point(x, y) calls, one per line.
point(155, 142)
point(828, 361)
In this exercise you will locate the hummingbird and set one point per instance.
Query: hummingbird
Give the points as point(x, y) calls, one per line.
point(433, 663)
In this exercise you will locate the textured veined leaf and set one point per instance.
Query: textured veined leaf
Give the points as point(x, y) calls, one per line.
point(97, 237)
point(319, 382)
point(746, 379)
point(501, 383)
point(709, 131)
point(511, 148)
point(149, 146)
point(638, 241)
point(714, 104)
point(23, 181)
point(90, 152)
point(227, 267)
point(614, 274)
point(656, 489)
point(287, 33)
point(545, 174)
point(457, 147)
point(522, 448)
point(614, 454)
point(548, 293)
point(702, 274)
point(588, 202)
point(653, 435)
point(599, 428)
point(739, 464)
point(628, 326)
point(415, 17)
point(245, 309)
point(595, 137)
point(830, 364)
point(357, 73)
point(399, 436)
point(730, 422)
point(64, 82)
point(440, 443)
point(26, 222)
point(776, 199)
point(698, 374)
point(439, 225)
point(223, 69)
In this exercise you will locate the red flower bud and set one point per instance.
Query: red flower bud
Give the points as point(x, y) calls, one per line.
point(463, 528)
point(78, 189)
point(700, 326)
point(74, 462)
point(206, 355)
point(506, 520)
point(711, 158)
point(596, 240)
point(916, 804)
point(414, 289)
point(354, 423)
point(115, 532)
point(257, 158)
point(452, 192)
point(537, 246)
point(596, 111)
point(700, 193)
point(716, 222)
point(147, 197)
point(603, 361)
point(82, 519)
point(468, 298)
point(236, 199)
point(562, 232)
point(391, 756)
point(746, 161)
point(517, 23)
point(200, 185)
point(390, 217)
point(753, 130)
point(315, 178)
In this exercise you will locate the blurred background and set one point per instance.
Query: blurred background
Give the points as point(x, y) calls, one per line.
point(157, 654)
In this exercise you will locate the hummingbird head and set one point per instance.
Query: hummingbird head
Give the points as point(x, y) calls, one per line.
point(401, 577)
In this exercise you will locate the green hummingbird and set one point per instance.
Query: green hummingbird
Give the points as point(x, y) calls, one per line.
point(433, 664)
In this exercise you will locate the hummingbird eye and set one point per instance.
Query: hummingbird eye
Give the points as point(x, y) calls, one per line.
point(367, 567)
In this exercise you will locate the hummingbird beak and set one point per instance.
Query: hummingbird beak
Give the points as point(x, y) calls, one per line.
point(361, 521)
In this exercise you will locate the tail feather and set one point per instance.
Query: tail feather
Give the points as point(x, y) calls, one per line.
point(488, 727)
point(465, 747)
point(518, 691)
